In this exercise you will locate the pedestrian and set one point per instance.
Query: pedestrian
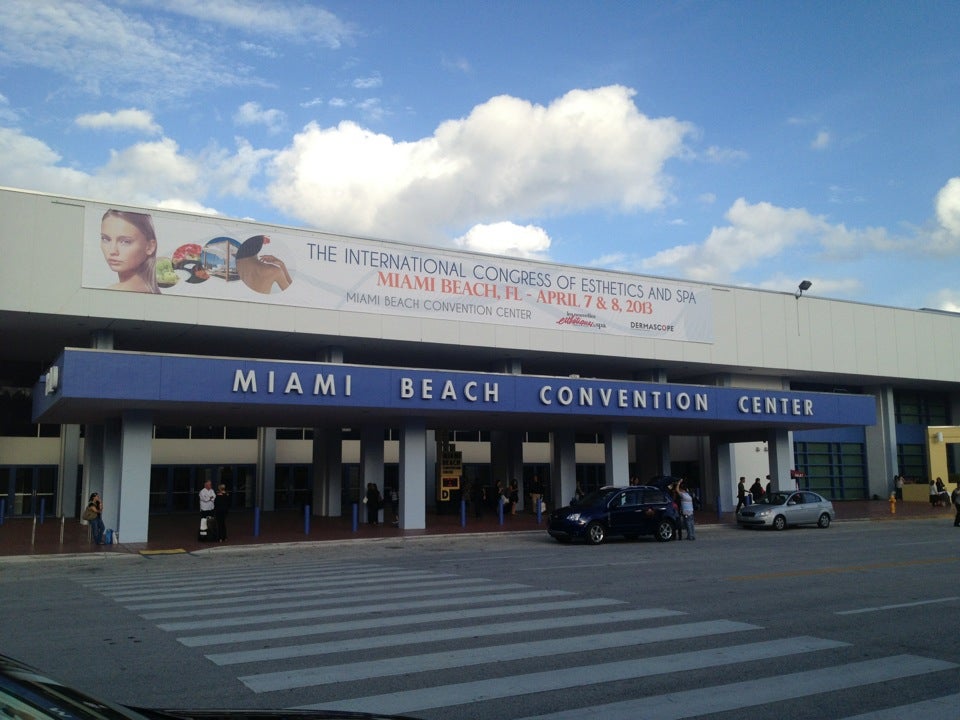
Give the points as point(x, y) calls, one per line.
point(756, 490)
point(207, 497)
point(394, 497)
point(221, 504)
point(674, 489)
point(741, 494)
point(94, 515)
point(769, 488)
point(898, 485)
point(934, 494)
point(686, 510)
point(956, 503)
point(514, 496)
point(943, 497)
point(372, 501)
point(536, 493)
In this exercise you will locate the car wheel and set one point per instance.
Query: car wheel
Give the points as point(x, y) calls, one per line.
point(665, 531)
point(595, 533)
point(779, 522)
point(824, 520)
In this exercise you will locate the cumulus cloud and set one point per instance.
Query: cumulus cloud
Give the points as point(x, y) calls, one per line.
point(250, 113)
point(507, 238)
point(508, 158)
point(948, 206)
point(149, 173)
point(130, 119)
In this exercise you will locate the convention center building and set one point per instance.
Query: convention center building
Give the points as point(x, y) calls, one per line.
point(146, 351)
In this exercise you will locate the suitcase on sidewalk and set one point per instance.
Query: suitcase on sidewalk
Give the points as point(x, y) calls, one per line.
point(208, 529)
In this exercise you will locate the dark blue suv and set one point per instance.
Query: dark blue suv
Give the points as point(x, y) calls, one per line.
point(626, 511)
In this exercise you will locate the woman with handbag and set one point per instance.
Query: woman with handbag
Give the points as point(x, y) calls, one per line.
point(93, 515)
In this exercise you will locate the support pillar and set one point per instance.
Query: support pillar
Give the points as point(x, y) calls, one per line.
point(67, 471)
point(723, 462)
point(563, 466)
point(136, 452)
point(506, 459)
point(413, 475)
point(616, 453)
point(371, 457)
point(780, 457)
point(327, 471)
point(266, 468)
point(881, 445)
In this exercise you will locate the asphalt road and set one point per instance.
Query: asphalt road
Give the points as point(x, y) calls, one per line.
point(859, 620)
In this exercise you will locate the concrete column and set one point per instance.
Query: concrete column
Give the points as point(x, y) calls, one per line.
point(663, 454)
point(506, 459)
point(413, 475)
point(112, 467)
point(881, 445)
point(780, 457)
point(371, 458)
point(136, 450)
point(563, 466)
point(327, 471)
point(616, 454)
point(67, 471)
point(266, 468)
point(92, 463)
point(723, 465)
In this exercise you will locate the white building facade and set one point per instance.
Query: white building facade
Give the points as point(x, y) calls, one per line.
point(298, 366)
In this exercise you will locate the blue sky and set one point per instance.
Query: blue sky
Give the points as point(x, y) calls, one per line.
point(743, 143)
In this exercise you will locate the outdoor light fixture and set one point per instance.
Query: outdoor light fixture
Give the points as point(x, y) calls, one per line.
point(804, 285)
point(938, 437)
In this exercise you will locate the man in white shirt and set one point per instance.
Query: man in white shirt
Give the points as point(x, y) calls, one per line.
point(207, 498)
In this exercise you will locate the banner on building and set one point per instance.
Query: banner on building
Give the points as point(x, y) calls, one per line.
point(214, 258)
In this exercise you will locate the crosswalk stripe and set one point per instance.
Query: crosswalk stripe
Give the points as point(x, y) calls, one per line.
point(461, 613)
point(437, 635)
point(943, 708)
point(439, 589)
point(382, 607)
point(199, 573)
point(327, 674)
point(202, 588)
point(210, 623)
point(751, 693)
point(246, 594)
point(552, 680)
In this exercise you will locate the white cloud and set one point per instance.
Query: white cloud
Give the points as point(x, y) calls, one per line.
point(79, 40)
point(374, 81)
point(506, 238)
point(150, 173)
point(948, 206)
point(250, 113)
point(129, 119)
point(508, 158)
point(755, 233)
point(724, 155)
point(947, 299)
point(302, 21)
point(821, 141)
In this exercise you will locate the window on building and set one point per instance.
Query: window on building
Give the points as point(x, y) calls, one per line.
point(835, 470)
point(918, 408)
point(912, 460)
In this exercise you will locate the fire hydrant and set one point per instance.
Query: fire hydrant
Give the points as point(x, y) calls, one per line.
point(893, 503)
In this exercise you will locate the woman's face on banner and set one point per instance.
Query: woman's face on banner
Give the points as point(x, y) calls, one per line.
point(124, 247)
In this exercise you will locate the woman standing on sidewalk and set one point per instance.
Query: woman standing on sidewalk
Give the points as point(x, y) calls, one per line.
point(93, 515)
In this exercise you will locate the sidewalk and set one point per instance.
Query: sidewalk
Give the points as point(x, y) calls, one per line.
point(178, 533)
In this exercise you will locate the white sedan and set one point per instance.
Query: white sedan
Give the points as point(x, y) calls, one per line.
point(779, 509)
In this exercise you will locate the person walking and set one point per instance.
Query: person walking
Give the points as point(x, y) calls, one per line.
point(756, 490)
point(372, 501)
point(741, 494)
point(686, 510)
point(956, 503)
point(221, 504)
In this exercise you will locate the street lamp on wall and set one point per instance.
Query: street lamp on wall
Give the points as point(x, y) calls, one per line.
point(802, 287)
